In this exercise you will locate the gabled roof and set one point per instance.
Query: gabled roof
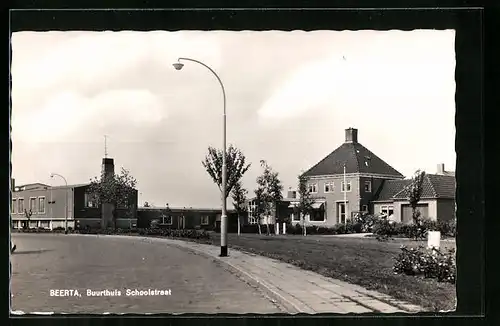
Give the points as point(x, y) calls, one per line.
point(357, 159)
point(390, 188)
point(433, 186)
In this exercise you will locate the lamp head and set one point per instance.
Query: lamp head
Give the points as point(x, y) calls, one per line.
point(52, 175)
point(178, 65)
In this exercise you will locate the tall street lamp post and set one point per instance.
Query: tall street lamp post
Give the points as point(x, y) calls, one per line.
point(52, 175)
point(223, 223)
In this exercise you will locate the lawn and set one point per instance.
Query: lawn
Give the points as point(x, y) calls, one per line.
point(363, 261)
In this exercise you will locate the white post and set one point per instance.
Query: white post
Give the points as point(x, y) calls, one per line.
point(345, 196)
point(433, 239)
point(277, 228)
point(284, 228)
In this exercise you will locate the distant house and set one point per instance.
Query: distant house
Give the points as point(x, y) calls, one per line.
point(353, 180)
point(48, 208)
point(183, 217)
point(437, 200)
point(346, 182)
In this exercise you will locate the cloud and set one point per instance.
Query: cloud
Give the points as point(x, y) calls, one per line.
point(355, 82)
point(66, 114)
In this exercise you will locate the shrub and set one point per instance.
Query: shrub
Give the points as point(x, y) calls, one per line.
point(447, 228)
point(367, 222)
point(430, 263)
point(384, 229)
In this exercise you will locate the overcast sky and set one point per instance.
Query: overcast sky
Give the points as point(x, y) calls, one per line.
point(290, 95)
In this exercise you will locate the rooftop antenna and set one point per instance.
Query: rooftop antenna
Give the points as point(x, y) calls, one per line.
point(105, 146)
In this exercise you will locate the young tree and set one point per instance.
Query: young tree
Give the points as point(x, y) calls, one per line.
point(259, 209)
point(235, 162)
point(146, 204)
point(414, 195)
point(239, 196)
point(304, 206)
point(270, 190)
point(112, 192)
point(28, 217)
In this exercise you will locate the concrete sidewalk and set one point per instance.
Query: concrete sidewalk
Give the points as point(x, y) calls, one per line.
point(297, 290)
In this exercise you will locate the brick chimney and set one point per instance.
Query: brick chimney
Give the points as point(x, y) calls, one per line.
point(12, 184)
point(440, 168)
point(351, 135)
point(108, 167)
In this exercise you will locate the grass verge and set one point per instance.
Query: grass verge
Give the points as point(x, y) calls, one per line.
point(365, 262)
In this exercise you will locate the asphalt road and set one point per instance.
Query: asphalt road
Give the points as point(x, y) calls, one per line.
point(190, 283)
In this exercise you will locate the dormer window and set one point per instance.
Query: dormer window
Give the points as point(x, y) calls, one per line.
point(368, 186)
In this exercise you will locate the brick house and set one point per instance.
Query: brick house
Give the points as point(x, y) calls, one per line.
point(47, 205)
point(346, 182)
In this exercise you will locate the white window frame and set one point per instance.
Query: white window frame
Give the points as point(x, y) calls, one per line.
point(19, 200)
point(89, 203)
point(342, 186)
point(165, 218)
point(13, 209)
point(339, 212)
point(294, 216)
point(369, 184)
point(33, 210)
point(202, 220)
point(252, 220)
point(387, 208)
point(330, 185)
point(44, 204)
point(314, 186)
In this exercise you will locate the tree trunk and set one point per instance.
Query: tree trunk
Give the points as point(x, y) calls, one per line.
point(107, 215)
point(258, 225)
point(304, 228)
point(239, 225)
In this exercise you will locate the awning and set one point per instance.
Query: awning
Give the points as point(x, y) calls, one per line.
point(317, 205)
point(293, 204)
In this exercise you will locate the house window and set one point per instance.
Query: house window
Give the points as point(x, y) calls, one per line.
point(13, 206)
point(313, 188)
point(20, 205)
point(41, 205)
point(205, 220)
point(317, 215)
point(32, 205)
point(252, 220)
point(364, 208)
point(346, 187)
point(341, 212)
point(387, 210)
point(329, 186)
point(88, 201)
point(166, 219)
point(368, 186)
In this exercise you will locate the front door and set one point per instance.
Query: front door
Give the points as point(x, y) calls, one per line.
point(182, 222)
point(341, 212)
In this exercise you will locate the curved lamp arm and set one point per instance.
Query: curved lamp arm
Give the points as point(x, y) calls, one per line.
point(214, 73)
point(56, 174)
